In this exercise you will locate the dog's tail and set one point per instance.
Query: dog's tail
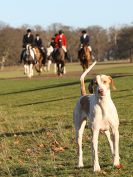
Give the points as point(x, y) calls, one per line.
point(82, 83)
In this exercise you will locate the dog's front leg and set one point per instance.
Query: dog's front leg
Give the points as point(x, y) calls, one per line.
point(116, 146)
point(95, 134)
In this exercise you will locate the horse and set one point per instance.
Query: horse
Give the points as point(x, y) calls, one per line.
point(85, 57)
point(59, 57)
point(28, 59)
point(40, 56)
point(50, 59)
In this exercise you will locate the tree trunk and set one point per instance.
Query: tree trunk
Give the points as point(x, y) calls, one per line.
point(131, 55)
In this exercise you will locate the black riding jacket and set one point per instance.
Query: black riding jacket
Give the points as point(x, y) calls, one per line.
point(38, 42)
point(28, 40)
point(85, 40)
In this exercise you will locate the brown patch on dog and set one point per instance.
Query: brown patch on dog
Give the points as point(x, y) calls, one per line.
point(85, 104)
point(112, 82)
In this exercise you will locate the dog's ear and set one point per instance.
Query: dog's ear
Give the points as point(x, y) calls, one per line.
point(112, 83)
point(90, 86)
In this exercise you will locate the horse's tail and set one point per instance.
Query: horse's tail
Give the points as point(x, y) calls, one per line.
point(82, 83)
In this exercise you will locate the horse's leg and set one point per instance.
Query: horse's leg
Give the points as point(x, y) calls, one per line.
point(49, 64)
point(62, 67)
point(30, 70)
point(55, 68)
point(58, 69)
point(39, 66)
point(82, 64)
point(25, 69)
point(44, 68)
point(64, 70)
point(83, 67)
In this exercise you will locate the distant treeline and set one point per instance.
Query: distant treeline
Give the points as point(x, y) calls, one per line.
point(107, 44)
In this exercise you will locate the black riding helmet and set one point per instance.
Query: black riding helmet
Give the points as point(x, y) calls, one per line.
point(60, 31)
point(28, 30)
point(83, 31)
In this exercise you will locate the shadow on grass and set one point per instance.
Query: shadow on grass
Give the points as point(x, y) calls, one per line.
point(65, 170)
point(114, 75)
point(124, 90)
point(23, 133)
point(47, 101)
point(19, 171)
point(123, 96)
point(43, 88)
point(75, 171)
point(125, 122)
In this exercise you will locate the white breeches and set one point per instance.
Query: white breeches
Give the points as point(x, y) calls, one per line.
point(64, 48)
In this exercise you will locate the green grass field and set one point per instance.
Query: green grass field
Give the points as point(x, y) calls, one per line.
point(37, 136)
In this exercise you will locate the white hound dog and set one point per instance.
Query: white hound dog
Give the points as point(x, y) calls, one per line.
point(102, 113)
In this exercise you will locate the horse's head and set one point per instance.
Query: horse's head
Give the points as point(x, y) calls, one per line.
point(85, 56)
point(36, 50)
point(86, 51)
point(60, 43)
point(37, 53)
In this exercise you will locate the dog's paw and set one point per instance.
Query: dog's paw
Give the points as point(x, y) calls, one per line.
point(97, 168)
point(80, 165)
point(118, 166)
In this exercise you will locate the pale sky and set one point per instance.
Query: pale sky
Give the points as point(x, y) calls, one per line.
point(75, 13)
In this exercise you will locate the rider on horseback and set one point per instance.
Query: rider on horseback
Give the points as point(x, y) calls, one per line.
point(60, 41)
point(38, 41)
point(39, 44)
point(28, 40)
point(84, 40)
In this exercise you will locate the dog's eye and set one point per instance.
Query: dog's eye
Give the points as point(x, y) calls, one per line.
point(104, 82)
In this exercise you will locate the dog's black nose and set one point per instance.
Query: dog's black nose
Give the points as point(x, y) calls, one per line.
point(100, 91)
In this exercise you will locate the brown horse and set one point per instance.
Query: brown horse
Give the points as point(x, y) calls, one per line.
point(41, 59)
point(60, 61)
point(59, 58)
point(85, 57)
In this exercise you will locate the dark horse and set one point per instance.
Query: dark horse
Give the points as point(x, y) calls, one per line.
point(59, 58)
point(85, 57)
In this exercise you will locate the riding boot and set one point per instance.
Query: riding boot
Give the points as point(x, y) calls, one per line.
point(22, 56)
point(79, 54)
point(66, 56)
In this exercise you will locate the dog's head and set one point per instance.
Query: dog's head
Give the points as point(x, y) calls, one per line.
point(101, 85)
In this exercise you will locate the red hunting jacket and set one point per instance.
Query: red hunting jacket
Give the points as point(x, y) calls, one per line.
point(60, 37)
